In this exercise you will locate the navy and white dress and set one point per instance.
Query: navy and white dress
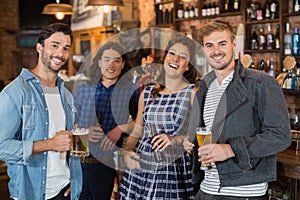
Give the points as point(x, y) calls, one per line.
point(165, 175)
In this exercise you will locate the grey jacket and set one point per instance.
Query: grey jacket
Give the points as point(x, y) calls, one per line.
point(252, 117)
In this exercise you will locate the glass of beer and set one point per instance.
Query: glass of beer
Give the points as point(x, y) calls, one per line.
point(80, 144)
point(204, 136)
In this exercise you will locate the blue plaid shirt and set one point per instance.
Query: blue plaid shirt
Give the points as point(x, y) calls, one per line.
point(84, 102)
point(112, 104)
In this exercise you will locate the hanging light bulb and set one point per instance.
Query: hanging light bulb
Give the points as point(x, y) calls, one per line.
point(58, 9)
point(59, 15)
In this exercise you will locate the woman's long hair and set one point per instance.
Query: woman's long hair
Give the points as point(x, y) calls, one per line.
point(189, 75)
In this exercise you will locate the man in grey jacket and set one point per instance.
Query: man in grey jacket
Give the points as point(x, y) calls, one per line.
point(247, 114)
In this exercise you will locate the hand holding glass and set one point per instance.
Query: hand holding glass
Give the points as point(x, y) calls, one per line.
point(204, 136)
point(80, 144)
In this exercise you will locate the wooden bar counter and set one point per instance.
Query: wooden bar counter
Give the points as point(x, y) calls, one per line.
point(288, 165)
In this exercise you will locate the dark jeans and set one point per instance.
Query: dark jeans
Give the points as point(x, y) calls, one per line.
point(98, 181)
point(204, 196)
point(60, 195)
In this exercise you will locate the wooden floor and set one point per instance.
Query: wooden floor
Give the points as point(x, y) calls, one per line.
point(4, 195)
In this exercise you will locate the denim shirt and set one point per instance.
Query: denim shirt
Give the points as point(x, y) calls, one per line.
point(23, 120)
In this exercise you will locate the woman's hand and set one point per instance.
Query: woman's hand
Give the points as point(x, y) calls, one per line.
point(161, 141)
point(187, 145)
point(131, 159)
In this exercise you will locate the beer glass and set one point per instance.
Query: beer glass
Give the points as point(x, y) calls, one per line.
point(204, 136)
point(80, 144)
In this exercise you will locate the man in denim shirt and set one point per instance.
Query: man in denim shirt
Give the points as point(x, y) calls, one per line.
point(36, 114)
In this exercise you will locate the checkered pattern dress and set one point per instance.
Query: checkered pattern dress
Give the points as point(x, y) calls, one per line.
point(166, 175)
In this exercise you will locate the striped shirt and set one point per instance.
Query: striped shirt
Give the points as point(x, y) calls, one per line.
point(211, 182)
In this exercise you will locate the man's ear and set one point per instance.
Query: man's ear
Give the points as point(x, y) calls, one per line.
point(39, 47)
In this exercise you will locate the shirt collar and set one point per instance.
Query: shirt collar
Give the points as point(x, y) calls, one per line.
point(27, 75)
point(100, 85)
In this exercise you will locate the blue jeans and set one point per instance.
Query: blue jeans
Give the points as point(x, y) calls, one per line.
point(98, 181)
point(204, 196)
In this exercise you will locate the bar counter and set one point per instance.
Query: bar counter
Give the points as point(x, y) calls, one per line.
point(288, 165)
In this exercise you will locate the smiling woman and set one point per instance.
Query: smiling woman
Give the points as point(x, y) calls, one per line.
point(153, 152)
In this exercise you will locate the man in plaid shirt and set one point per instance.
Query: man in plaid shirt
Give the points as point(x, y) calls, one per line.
point(103, 107)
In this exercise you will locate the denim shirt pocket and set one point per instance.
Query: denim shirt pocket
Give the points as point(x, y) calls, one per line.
point(29, 116)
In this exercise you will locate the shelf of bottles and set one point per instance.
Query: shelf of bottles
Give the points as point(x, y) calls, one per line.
point(291, 30)
point(262, 27)
point(289, 10)
point(187, 10)
point(222, 8)
point(164, 11)
point(207, 9)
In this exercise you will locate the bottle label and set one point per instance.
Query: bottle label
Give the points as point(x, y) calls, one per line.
point(273, 7)
point(180, 14)
point(259, 15)
point(186, 14)
point(236, 5)
point(191, 14)
point(217, 10)
point(287, 51)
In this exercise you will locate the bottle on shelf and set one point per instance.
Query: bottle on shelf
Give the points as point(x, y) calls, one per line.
point(159, 16)
point(204, 9)
point(287, 40)
point(226, 6)
point(296, 6)
point(271, 69)
point(208, 9)
point(262, 65)
point(166, 14)
point(254, 42)
point(277, 37)
point(196, 10)
point(298, 78)
point(236, 6)
point(252, 12)
point(289, 81)
point(295, 42)
point(171, 12)
point(213, 8)
point(268, 9)
point(261, 38)
point(186, 12)
point(259, 12)
point(217, 8)
point(274, 9)
point(192, 11)
point(269, 38)
point(180, 11)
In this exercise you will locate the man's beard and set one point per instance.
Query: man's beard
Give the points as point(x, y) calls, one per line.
point(47, 62)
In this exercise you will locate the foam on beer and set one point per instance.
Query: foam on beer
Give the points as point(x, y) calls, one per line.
point(80, 131)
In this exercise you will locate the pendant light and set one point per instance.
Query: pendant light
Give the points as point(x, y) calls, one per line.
point(58, 9)
point(105, 2)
